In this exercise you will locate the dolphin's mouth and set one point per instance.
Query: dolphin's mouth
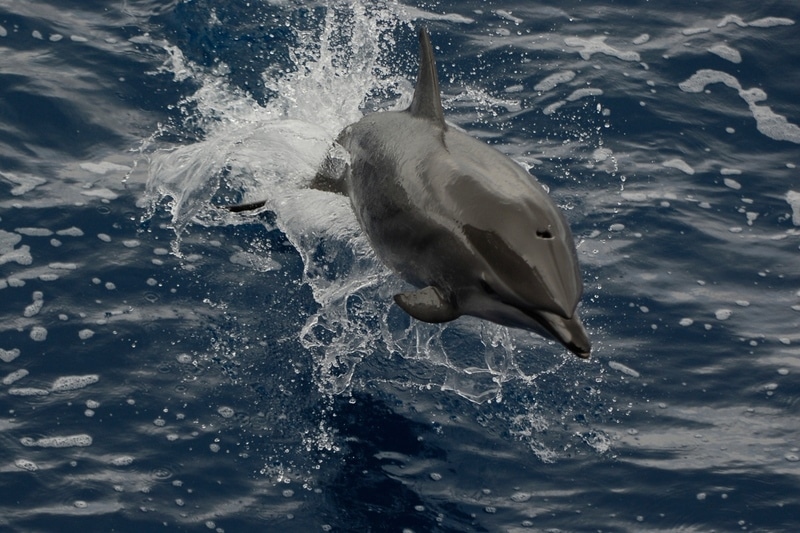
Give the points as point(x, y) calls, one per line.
point(568, 331)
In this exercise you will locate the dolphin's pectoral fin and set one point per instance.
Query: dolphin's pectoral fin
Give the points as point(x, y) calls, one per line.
point(324, 182)
point(428, 305)
point(332, 172)
point(252, 206)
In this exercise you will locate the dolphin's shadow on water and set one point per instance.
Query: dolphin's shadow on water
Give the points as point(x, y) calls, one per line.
point(367, 495)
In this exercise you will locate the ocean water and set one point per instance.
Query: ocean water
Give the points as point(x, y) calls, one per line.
point(165, 364)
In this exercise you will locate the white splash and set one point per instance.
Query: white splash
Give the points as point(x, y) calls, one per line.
point(271, 154)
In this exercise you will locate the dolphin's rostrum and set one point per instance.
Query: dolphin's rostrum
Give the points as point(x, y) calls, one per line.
point(476, 233)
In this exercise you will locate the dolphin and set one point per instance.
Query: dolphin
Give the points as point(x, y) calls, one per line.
point(470, 228)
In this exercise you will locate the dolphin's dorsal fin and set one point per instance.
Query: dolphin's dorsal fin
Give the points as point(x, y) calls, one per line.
point(427, 102)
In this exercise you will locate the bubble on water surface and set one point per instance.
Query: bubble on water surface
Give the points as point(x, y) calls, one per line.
point(34, 232)
point(69, 441)
point(695, 31)
point(25, 464)
point(597, 45)
point(723, 314)
point(122, 460)
point(85, 334)
point(68, 383)
point(726, 52)
point(24, 183)
point(70, 232)
point(102, 193)
point(8, 253)
point(105, 167)
point(28, 391)
point(9, 355)
point(34, 308)
point(624, 369)
point(583, 93)
point(38, 333)
point(768, 122)
point(553, 80)
point(62, 266)
point(769, 22)
point(15, 376)
point(225, 412)
point(793, 199)
point(679, 164)
point(104, 237)
point(732, 184)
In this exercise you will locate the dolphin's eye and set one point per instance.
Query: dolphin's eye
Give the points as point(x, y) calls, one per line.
point(544, 233)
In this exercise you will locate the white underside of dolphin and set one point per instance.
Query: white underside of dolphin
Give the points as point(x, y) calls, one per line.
point(469, 227)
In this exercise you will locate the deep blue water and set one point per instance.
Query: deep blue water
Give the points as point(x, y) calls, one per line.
point(167, 365)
